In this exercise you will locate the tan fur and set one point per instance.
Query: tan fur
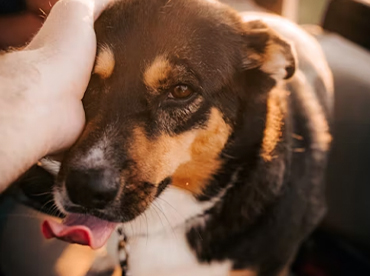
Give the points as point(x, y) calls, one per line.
point(117, 271)
point(205, 150)
point(104, 62)
point(159, 158)
point(243, 273)
point(190, 158)
point(276, 108)
point(158, 71)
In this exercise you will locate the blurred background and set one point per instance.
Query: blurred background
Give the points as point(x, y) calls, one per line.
point(340, 247)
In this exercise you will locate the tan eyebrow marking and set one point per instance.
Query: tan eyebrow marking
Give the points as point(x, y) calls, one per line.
point(104, 62)
point(157, 72)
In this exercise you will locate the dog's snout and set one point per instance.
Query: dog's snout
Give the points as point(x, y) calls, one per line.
point(92, 188)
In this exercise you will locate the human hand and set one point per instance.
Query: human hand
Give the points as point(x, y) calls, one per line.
point(41, 87)
point(64, 52)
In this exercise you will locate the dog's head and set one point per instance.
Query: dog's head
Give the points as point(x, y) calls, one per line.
point(173, 84)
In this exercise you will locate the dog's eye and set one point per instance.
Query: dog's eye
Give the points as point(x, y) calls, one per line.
point(181, 91)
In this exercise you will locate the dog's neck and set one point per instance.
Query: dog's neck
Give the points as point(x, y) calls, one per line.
point(175, 208)
point(157, 239)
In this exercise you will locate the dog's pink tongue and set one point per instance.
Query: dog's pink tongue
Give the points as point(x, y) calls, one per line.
point(81, 229)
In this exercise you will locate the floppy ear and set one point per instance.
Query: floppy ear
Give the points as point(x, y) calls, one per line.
point(268, 51)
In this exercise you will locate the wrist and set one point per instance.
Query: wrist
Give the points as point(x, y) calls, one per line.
point(20, 110)
point(45, 120)
point(21, 139)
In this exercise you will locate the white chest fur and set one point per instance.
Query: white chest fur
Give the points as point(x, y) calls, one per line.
point(157, 238)
point(173, 208)
point(169, 255)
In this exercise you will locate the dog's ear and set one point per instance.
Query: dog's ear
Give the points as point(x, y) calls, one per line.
point(264, 49)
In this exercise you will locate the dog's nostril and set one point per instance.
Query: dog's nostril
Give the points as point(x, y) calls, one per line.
point(92, 188)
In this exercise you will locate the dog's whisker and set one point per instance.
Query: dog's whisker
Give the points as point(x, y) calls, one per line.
point(132, 228)
point(160, 219)
point(46, 203)
point(169, 223)
point(181, 216)
point(55, 209)
point(177, 212)
point(42, 194)
point(229, 156)
point(147, 229)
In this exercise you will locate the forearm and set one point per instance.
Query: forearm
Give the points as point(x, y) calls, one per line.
point(22, 137)
point(20, 147)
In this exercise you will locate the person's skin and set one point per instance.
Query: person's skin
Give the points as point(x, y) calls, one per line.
point(41, 87)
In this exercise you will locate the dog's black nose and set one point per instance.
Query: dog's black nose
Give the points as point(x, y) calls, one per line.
point(92, 188)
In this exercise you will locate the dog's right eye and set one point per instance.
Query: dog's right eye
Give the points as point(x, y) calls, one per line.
point(180, 91)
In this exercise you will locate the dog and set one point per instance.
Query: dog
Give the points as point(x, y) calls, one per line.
point(207, 137)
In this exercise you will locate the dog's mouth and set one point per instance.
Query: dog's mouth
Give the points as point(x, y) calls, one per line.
point(80, 229)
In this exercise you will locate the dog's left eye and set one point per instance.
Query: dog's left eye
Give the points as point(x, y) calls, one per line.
point(180, 91)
